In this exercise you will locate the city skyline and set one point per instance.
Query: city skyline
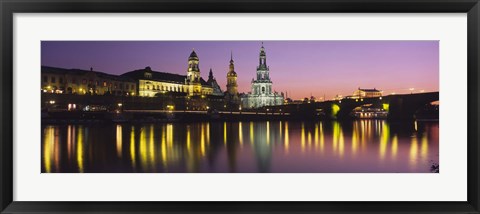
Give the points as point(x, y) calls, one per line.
point(301, 68)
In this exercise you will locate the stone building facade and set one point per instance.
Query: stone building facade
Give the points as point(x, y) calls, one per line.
point(232, 98)
point(367, 93)
point(261, 91)
point(151, 83)
point(77, 81)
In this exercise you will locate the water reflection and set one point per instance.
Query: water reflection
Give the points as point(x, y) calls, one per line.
point(271, 146)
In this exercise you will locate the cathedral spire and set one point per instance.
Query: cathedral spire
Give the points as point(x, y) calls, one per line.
point(263, 57)
point(210, 74)
point(231, 70)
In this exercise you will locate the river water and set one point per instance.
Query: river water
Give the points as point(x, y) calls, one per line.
point(361, 146)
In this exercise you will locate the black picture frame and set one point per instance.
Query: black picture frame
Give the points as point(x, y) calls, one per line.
point(9, 7)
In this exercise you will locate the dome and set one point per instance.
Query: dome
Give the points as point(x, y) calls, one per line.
point(193, 55)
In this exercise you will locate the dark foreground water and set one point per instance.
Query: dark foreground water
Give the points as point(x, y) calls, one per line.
point(307, 147)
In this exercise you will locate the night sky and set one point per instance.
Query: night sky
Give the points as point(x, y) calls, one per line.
point(303, 68)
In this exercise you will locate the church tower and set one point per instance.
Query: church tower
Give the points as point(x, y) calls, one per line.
point(193, 75)
point(262, 93)
point(263, 84)
point(232, 79)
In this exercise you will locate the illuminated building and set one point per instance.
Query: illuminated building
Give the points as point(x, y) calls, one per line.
point(213, 83)
point(77, 81)
point(262, 94)
point(366, 93)
point(231, 95)
point(150, 83)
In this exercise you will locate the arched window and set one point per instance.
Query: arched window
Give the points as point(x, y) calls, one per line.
point(263, 90)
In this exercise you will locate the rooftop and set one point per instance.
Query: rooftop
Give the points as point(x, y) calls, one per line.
point(160, 76)
point(81, 72)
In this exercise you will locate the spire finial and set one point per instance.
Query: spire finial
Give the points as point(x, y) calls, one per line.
point(231, 55)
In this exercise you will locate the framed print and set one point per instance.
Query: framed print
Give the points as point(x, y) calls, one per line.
point(265, 106)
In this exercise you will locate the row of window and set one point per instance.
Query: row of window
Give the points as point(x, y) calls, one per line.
point(167, 88)
point(175, 89)
point(115, 85)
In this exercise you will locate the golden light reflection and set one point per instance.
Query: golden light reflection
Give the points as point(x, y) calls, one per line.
point(143, 148)
point(240, 133)
point(163, 147)
point(362, 134)
point(169, 134)
point(336, 134)
point(413, 152)
point(251, 133)
point(202, 141)
point(70, 142)
point(56, 148)
point(394, 147)
point(369, 129)
point(303, 138)
point(151, 146)
point(322, 138)
point(80, 152)
point(338, 140)
point(132, 146)
point(188, 138)
point(316, 136)
point(424, 148)
point(385, 135)
point(119, 140)
point(48, 148)
point(208, 133)
point(355, 138)
point(268, 132)
point(287, 140)
point(225, 133)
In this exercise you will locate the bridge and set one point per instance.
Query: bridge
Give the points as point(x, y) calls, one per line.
point(399, 107)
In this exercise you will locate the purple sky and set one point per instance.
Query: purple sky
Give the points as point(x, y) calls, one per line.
point(299, 67)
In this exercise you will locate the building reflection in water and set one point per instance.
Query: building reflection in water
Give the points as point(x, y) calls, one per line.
point(281, 146)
